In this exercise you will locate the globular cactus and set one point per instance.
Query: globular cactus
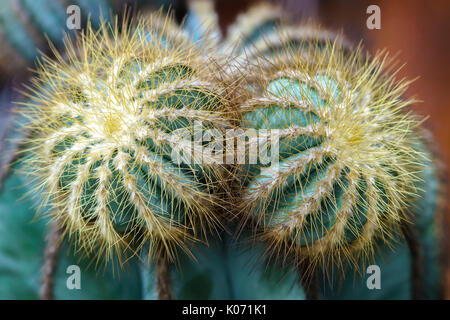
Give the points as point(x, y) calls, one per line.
point(250, 26)
point(348, 155)
point(24, 26)
point(106, 123)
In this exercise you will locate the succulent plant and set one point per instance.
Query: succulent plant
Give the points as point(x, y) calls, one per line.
point(348, 156)
point(109, 148)
point(251, 26)
point(261, 41)
point(107, 122)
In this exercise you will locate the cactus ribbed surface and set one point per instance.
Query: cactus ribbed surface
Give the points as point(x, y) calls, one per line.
point(251, 26)
point(106, 125)
point(348, 156)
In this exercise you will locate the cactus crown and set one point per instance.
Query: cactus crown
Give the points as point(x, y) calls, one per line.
point(347, 158)
point(105, 119)
point(262, 30)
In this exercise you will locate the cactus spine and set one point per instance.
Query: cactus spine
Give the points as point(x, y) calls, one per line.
point(262, 31)
point(106, 120)
point(348, 162)
point(250, 26)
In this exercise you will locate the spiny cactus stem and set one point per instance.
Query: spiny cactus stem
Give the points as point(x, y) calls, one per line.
point(164, 283)
point(412, 240)
point(9, 155)
point(50, 262)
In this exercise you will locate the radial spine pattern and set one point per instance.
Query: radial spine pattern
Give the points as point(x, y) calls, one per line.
point(106, 119)
point(348, 159)
point(263, 31)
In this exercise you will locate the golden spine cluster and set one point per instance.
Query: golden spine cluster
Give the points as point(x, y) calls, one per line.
point(348, 154)
point(105, 119)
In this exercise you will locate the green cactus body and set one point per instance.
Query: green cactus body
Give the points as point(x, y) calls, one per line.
point(108, 128)
point(251, 26)
point(226, 272)
point(428, 219)
point(26, 25)
point(251, 278)
point(265, 41)
point(341, 182)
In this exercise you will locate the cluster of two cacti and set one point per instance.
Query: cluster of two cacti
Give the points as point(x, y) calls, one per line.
point(106, 118)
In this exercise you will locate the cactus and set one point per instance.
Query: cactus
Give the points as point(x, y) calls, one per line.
point(348, 157)
point(262, 31)
point(398, 280)
point(105, 124)
point(251, 26)
point(211, 268)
